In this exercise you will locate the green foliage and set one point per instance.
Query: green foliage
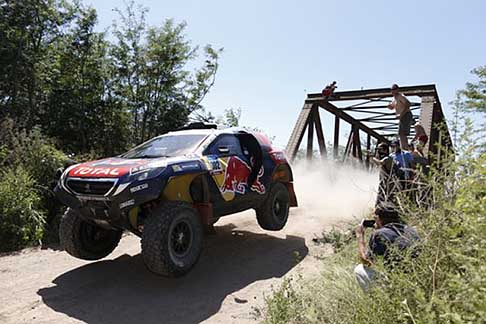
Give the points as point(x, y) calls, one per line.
point(81, 111)
point(27, 29)
point(62, 84)
point(38, 157)
point(21, 222)
point(444, 284)
point(151, 74)
point(33, 151)
point(283, 303)
point(472, 101)
point(87, 93)
point(336, 238)
point(232, 117)
point(475, 93)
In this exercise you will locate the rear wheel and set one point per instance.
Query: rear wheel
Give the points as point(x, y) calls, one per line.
point(172, 239)
point(274, 212)
point(84, 240)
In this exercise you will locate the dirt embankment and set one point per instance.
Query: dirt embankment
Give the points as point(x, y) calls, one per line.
point(238, 266)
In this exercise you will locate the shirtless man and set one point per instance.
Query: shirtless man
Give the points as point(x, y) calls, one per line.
point(401, 105)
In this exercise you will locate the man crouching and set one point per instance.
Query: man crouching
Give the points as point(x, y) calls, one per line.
point(390, 234)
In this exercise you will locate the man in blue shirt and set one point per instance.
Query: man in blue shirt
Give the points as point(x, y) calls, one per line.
point(390, 238)
point(405, 162)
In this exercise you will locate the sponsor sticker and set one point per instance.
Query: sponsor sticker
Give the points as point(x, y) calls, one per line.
point(84, 198)
point(84, 171)
point(139, 187)
point(139, 169)
point(193, 165)
point(278, 156)
point(213, 163)
point(186, 166)
point(127, 203)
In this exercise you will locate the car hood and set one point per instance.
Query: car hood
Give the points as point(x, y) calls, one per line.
point(110, 168)
point(118, 167)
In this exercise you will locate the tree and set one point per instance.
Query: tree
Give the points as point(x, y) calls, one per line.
point(232, 117)
point(475, 93)
point(80, 110)
point(152, 76)
point(90, 95)
point(202, 115)
point(27, 28)
point(472, 99)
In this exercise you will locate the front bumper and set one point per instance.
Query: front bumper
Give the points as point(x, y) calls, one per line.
point(111, 209)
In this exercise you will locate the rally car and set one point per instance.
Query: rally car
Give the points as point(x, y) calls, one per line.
point(169, 191)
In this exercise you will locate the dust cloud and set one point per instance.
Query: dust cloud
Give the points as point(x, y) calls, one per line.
point(334, 192)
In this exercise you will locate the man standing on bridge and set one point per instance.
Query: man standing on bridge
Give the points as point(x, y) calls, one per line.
point(401, 105)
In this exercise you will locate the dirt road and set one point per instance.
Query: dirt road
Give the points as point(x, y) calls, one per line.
point(238, 266)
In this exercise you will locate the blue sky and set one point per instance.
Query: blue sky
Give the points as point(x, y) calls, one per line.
point(276, 51)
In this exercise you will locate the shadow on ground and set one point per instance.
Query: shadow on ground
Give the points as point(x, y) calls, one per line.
point(123, 291)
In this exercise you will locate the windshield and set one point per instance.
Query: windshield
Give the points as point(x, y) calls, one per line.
point(165, 146)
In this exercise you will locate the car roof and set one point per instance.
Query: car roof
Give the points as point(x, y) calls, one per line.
point(230, 130)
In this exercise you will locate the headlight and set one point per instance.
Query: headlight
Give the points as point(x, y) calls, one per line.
point(145, 173)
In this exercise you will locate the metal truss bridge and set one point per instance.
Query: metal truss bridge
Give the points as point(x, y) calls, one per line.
point(367, 113)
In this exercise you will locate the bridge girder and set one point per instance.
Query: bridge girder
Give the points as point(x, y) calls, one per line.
point(366, 111)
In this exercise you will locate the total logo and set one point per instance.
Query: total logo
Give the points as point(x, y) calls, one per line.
point(88, 171)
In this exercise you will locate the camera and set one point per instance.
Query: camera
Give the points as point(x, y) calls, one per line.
point(368, 223)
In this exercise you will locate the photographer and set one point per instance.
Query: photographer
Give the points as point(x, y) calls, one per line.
point(390, 233)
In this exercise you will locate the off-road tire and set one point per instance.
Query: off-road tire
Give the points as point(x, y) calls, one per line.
point(164, 251)
point(272, 215)
point(84, 240)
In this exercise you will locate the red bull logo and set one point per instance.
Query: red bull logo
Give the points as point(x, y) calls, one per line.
point(236, 177)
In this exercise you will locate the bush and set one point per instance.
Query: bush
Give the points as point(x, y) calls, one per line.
point(40, 159)
point(35, 152)
point(21, 222)
point(444, 284)
point(336, 238)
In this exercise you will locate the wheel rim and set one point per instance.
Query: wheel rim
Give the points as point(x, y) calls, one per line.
point(279, 209)
point(181, 238)
point(276, 207)
point(93, 237)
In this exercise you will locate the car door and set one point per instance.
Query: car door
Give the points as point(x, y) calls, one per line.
point(229, 171)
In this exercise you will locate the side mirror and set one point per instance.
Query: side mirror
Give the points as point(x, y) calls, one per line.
point(223, 149)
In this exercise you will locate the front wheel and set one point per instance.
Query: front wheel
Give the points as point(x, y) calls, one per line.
point(172, 239)
point(84, 240)
point(274, 212)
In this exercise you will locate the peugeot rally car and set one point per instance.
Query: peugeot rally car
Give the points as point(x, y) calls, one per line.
point(169, 190)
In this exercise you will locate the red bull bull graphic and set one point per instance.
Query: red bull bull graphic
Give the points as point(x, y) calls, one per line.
point(236, 177)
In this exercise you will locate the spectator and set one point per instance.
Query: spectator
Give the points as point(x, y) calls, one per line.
point(388, 174)
point(404, 159)
point(328, 91)
point(420, 135)
point(420, 187)
point(420, 161)
point(389, 240)
point(401, 105)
